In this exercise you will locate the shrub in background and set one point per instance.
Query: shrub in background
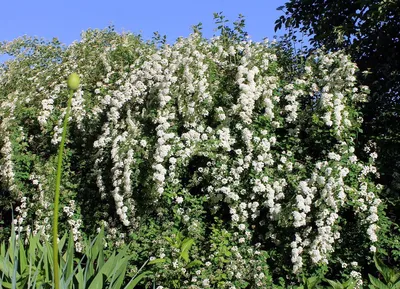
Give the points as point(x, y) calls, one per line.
point(205, 137)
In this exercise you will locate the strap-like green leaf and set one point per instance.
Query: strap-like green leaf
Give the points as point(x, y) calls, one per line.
point(79, 278)
point(134, 281)
point(312, 281)
point(156, 261)
point(383, 269)
point(61, 243)
point(23, 264)
point(118, 275)
point(350, 284)
point(334, 284)
point(377, 283)
point(396, 286)
point(106, 270)
point(69, 266)
point(98, 246)
point(49, 262)
point(395, 277)
point(6, 285)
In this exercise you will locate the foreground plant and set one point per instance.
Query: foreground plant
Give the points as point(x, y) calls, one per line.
point(391, 276)
point(73, 85)
point(349, 284)
point(33, 267)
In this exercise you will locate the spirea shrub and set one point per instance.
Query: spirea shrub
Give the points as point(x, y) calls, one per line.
point(207, 137)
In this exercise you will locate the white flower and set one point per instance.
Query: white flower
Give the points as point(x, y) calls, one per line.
point(206, 282)
point(179, 200)
point(242, 227)
point(353, 159)
point(334, 156)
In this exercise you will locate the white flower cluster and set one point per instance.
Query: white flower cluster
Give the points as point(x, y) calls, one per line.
point(7, 166)
point(75, 225)
point(249, 92)
point(197, 112)
point(22, 212)
point(291, 97)
point(331, 86)
point(368, 204)
point(358, 277)
point(303, 203)
point(6, 152)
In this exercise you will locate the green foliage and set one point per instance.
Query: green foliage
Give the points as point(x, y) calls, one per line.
point(32, 266)
point(310, 282)
point(391, 276)
point(181, 260)
point(349, 284)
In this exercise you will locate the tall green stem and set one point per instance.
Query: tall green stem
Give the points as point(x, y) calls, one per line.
point(57, 194)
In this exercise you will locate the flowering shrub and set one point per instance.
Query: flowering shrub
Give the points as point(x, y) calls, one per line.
point(204, 136)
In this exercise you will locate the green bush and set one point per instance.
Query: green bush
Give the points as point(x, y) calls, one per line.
point(209, 138)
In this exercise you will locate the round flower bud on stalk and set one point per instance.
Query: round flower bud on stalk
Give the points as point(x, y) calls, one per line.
point(73, 81)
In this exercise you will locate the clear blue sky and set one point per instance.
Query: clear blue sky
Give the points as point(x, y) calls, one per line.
point(67, 19)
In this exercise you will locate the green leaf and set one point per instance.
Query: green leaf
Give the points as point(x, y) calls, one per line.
point(194, 263)
point(118, 275)
point(169, 240)
point(186, 245)
point(388, 273)
point(156, 261)
point(2, 249)
point(350, 284)
point(33, 246)
point(61, 243)
point(6, 284)
point(112, 269)
point(98, 246)
point(135, 280)
point(395, 276)
point(312, 281)
point(23, 264)
point(97, 282)
point(334, 284)
point(69, 266)
point(46, 263)
point(377, 283)
point(79, 278)
point(396, 286)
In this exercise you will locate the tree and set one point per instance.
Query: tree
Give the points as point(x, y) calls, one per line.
point(368, 30)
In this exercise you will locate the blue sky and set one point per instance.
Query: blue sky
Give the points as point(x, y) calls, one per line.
point(67, 19)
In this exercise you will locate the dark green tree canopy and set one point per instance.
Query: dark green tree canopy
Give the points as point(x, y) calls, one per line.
point(369, 30)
